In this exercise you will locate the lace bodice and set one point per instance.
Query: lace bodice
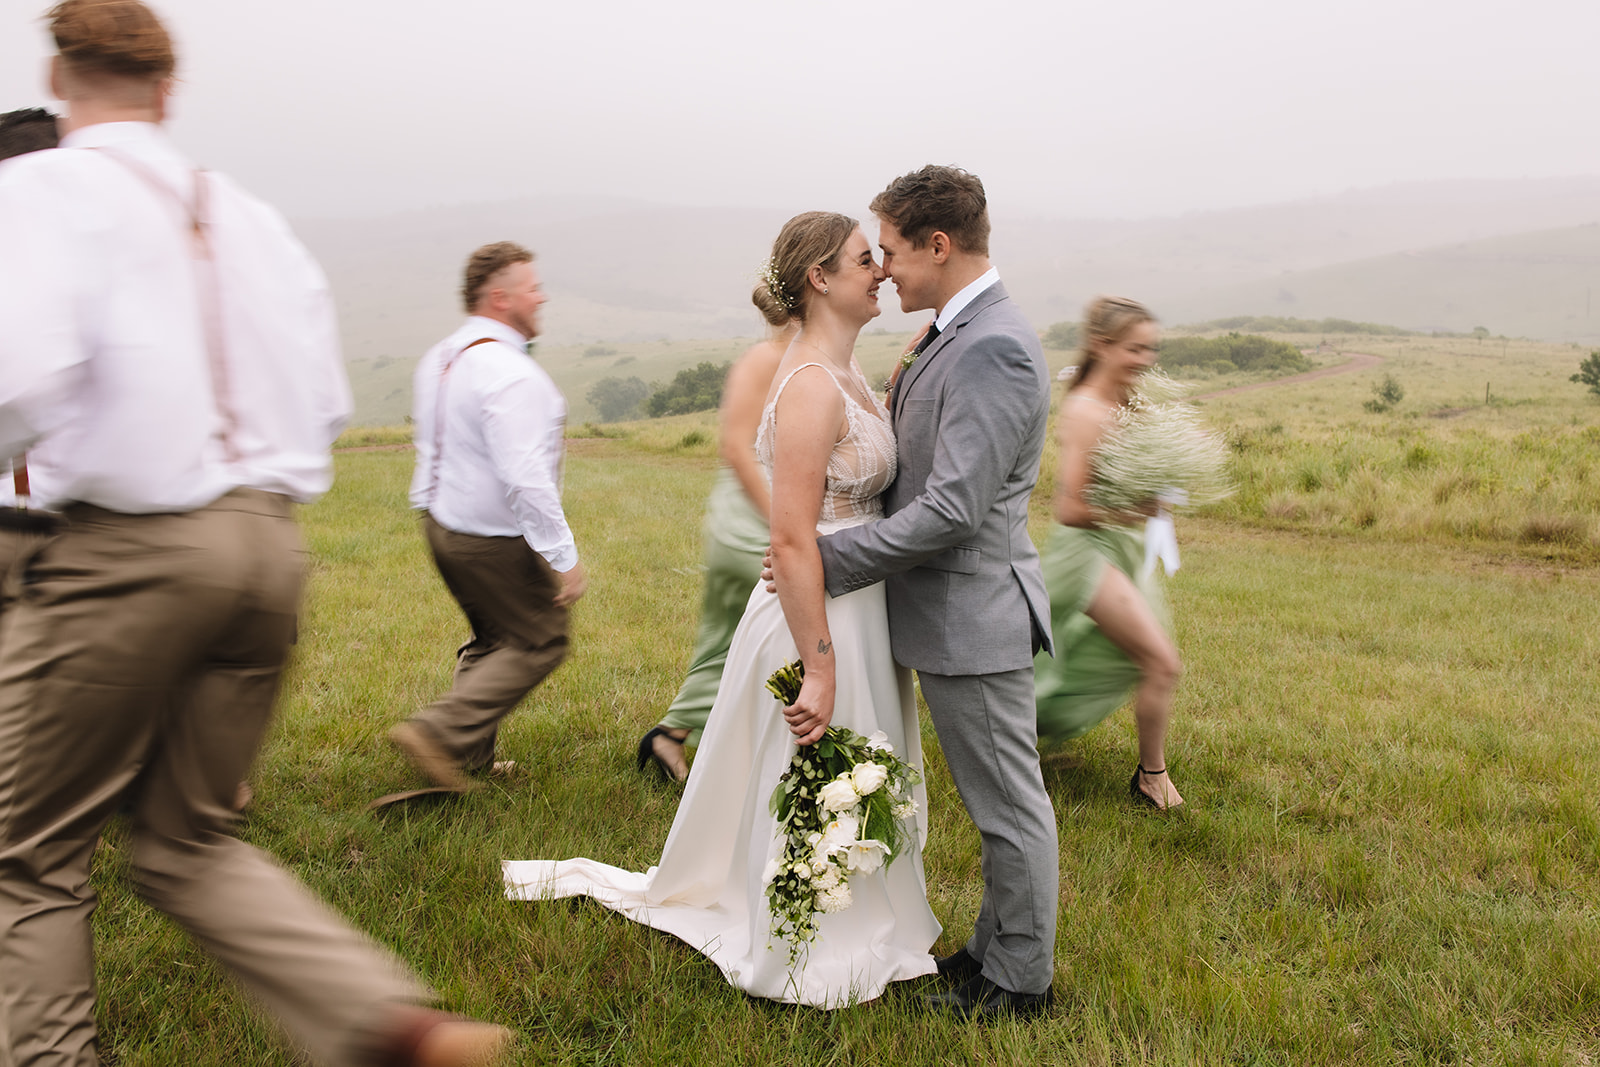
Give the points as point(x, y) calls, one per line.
point(862, 464)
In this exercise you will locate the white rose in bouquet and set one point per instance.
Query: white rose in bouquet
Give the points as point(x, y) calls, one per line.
point(879, 742)
point(828, 878)
point(838, 795)
point(868, 778)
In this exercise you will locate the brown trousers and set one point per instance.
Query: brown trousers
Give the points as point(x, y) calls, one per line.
point(140, 662)
point(507, 591)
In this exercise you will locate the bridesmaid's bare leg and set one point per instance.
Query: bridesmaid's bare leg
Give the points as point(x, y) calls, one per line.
point(1125, 618)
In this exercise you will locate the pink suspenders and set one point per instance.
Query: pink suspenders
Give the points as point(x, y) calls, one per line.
point(438, 418)
point(207, 286)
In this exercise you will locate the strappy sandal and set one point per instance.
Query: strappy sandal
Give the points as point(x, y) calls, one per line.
point(1140, 796)
point(647, 753)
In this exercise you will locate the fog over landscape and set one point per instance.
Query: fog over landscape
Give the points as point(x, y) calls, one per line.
point(1430, 167)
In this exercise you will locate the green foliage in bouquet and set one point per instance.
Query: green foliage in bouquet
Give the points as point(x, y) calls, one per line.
point(842, 808)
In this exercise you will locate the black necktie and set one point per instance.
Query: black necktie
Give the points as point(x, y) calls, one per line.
point(928, 338)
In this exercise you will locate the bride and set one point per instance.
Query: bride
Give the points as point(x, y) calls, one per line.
point(827, 447)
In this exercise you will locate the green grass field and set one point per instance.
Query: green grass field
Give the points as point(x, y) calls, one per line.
point(1387, 734)
point(1491, 444)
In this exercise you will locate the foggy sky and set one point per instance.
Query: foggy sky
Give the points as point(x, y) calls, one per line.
point(1123, 108)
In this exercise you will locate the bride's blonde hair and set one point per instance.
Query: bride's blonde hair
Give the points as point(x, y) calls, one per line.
point(813, 239)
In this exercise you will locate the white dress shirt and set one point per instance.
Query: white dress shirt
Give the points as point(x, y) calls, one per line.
point(105, 375)
point(493, 469)
point(958, 303)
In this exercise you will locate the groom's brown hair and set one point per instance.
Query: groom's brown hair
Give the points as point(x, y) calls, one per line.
point(937, 199)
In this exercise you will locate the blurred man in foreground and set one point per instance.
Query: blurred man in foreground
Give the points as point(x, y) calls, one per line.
point(168, 358)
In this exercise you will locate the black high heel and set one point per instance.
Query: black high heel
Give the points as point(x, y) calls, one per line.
point(647, 753)
point(1139, 795)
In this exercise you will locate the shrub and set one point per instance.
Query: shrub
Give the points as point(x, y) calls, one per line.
point(618, 398)
point(1241, 351)
point(1589, 373)
point(1061, 335)
point(697, 388)
point(1385, 395)
point(1279, 324)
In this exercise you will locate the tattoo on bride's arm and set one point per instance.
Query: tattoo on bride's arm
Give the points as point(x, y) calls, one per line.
point(824, 646)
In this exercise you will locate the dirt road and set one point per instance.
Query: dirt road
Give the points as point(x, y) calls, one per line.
point(1358, 361)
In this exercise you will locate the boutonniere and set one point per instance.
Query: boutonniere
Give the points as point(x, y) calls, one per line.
point(902, 365)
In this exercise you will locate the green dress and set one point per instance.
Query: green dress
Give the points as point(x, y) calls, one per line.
point(1089, 677)
point(735, 540)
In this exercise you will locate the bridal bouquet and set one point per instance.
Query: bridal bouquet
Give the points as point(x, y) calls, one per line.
point(1158, 449)
point(841, 809)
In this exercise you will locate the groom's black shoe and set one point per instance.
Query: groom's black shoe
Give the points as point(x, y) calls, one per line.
point(979, 998)
point(959, 965)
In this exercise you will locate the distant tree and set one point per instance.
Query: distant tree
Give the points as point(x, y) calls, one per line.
point(618, 398)
point(1385, 395)
point(697, 388)
point(1062, 335)
point(1480, 332)
point(1589, 372)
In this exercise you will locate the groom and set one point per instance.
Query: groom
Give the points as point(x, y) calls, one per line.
point(967, 602)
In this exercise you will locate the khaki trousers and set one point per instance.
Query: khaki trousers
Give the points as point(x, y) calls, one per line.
point(14, 548)
point(507, 591)
point(141, 661)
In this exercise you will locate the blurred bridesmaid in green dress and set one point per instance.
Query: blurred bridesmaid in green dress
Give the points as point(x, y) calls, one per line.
point(735, 540)
point(1108, 616)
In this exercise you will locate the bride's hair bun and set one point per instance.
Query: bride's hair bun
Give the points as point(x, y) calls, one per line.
point(121, 38)
point(766, 299)
point(813, 239)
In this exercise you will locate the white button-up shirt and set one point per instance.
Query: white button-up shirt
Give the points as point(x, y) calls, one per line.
point(105, 376)
point(491, 467)
point(958, 303)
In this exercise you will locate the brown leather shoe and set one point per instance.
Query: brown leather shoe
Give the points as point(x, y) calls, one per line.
point(429, 757)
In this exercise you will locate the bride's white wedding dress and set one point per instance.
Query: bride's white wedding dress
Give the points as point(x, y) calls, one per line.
point(707, 889)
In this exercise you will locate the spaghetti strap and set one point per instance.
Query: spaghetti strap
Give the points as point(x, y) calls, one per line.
point(773, 403)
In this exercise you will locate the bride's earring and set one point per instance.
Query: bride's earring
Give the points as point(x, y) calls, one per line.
point(824, 290)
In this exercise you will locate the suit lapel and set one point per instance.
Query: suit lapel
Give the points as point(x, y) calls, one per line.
point(992, 295)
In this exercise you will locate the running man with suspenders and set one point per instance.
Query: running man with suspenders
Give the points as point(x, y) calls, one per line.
point(169, 360)
point(488, 427)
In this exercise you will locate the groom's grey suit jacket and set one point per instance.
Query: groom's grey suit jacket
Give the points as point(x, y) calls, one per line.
point(965, 592)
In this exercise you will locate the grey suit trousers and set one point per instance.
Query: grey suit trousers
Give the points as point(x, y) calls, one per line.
point(987, 730)
point(141, 660)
